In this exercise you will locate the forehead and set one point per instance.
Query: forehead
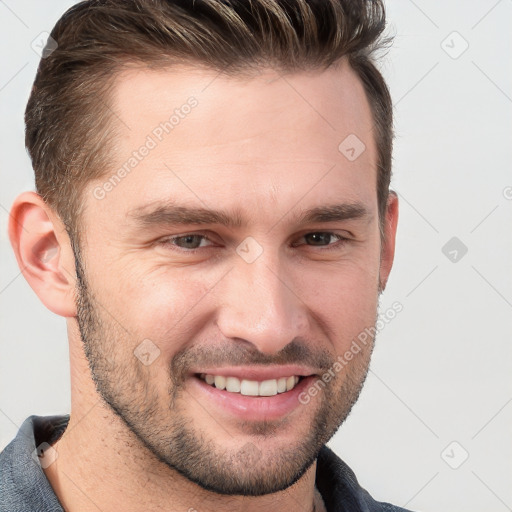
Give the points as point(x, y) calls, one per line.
point(330, 101)
point(205, 136)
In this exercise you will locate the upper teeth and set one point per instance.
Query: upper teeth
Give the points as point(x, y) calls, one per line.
point(252, 387)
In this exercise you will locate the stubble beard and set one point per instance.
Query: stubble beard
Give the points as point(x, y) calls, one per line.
point(161, 424)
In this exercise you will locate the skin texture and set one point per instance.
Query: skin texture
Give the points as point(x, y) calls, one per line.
point(262, 150)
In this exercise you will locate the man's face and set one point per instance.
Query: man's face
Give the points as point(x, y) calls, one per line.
point(274, 286)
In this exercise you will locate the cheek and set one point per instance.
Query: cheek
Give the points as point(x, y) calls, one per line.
point(164, 306)
point(343, 296)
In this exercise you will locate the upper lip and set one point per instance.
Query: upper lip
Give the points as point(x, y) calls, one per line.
point(258, 373)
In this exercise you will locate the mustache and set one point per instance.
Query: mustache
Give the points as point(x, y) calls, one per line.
point(238, 354)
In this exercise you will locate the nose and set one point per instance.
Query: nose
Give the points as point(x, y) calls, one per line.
point(259, 305)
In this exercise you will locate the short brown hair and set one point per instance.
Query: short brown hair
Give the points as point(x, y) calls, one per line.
point(69, 120)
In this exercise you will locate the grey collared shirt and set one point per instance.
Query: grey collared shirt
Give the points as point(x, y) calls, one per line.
point(25, 488)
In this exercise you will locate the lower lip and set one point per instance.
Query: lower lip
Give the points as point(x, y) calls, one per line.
point(253, 408)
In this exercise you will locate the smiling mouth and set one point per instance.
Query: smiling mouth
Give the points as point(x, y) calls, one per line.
point(247, 387)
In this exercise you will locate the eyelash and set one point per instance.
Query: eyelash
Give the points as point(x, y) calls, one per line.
point(169, 241)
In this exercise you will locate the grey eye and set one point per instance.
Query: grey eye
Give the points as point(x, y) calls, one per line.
point(188, 241)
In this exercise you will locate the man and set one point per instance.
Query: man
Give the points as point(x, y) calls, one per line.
point(214, 221)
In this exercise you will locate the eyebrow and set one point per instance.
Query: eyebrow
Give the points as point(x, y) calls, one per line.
point(169, 214)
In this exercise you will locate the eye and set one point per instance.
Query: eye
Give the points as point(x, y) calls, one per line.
point(321, 239)
point(188, 241)
point(192, 241)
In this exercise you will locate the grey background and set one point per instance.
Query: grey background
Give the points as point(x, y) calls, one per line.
point(441, 371)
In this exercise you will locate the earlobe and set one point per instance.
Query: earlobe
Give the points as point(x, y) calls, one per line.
point(389, 239)
point(43, 251)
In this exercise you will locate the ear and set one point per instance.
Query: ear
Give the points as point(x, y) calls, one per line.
point(43, 251)
point(387, 254)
